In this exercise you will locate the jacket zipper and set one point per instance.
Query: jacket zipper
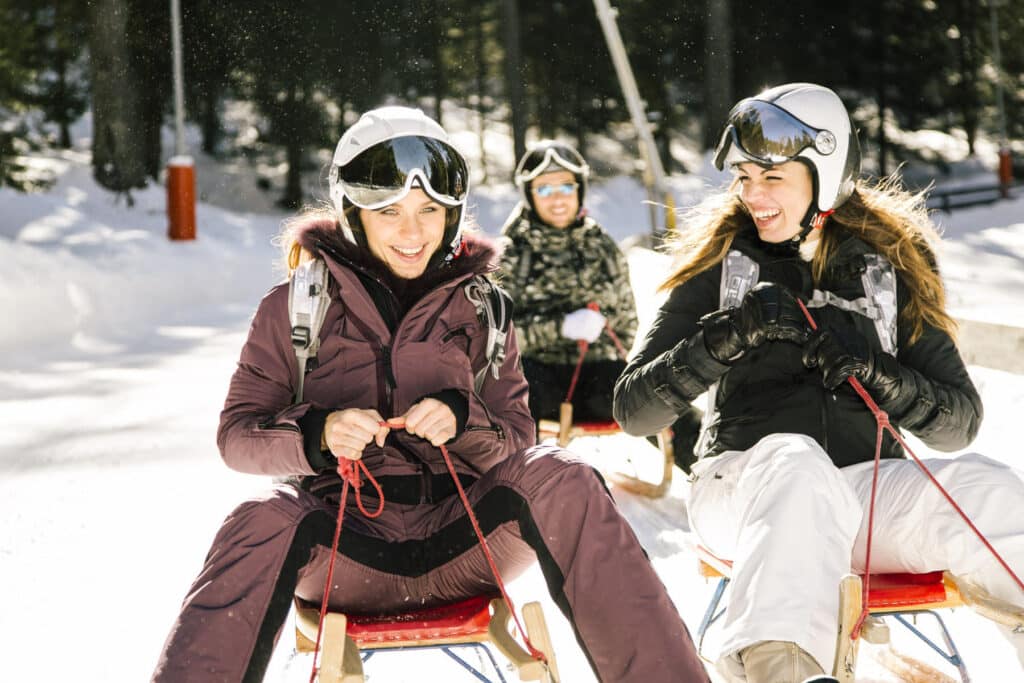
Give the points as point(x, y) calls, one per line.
point(388, 380)
point(493, 428)
point(386, 377)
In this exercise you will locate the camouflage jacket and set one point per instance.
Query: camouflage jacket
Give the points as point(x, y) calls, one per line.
point(551, 272)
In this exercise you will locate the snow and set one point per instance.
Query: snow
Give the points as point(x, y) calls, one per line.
point(115, 358)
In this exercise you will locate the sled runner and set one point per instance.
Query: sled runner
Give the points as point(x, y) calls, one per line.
point(349, 640)
point(892, 599)
point(565, 431)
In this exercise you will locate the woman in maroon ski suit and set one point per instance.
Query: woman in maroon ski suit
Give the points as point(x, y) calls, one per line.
point(402, 342)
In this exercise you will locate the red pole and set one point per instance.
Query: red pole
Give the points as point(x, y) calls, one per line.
point(181, 198)
point(1005, 171)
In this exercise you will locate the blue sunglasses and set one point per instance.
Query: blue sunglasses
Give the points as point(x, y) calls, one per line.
point(564, 189)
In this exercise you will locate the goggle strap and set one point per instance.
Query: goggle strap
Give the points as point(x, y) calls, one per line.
point(551, 155)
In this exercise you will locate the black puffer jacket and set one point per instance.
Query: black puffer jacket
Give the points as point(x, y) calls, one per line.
point(770, 391)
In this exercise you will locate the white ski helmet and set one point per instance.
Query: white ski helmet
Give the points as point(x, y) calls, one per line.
point(386, 153)
point(546, 156)
point(796, 122)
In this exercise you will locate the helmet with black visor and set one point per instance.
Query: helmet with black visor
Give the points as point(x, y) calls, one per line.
point(796, 122)
point(383, 156)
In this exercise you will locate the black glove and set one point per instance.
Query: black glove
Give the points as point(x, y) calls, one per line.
point(843, 354)
point(768, 312)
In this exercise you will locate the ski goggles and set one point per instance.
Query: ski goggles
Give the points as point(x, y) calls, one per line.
point(769, 135)
point(387, 171)
point(564, 189)
point(537, 162)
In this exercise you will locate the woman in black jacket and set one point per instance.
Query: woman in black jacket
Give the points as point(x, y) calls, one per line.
point(785, 495)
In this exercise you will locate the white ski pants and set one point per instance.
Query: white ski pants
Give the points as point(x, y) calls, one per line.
point(793, 524)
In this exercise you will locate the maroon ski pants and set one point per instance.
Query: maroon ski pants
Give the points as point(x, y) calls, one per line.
point(541, 504)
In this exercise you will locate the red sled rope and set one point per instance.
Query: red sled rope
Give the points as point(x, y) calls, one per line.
point(882, 420)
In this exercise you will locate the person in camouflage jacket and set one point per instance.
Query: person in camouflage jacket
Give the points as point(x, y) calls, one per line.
point(570, 283)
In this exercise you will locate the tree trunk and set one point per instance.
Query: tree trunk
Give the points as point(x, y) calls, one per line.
point(514, 77)
point(881, 88)
point(61, 95)
point(118, 144)
point(437, 59)
point(295, 103)
point(209, 121)
point(718, 78)
point(966, 52)
point(580, 132)
point(480, 81)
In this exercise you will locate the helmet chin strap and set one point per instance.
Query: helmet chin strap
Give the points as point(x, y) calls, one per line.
point(812, 220)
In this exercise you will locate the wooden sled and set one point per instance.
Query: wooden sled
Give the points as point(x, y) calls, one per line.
point(892, 598)
point(565, 430)
point(349, 640)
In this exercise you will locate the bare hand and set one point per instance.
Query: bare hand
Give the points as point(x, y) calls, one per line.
point(430, 419)
point(347, 432)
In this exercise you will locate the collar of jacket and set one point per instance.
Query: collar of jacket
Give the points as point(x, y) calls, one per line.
point(850, 247)
point(789, 269)
point(324, 238)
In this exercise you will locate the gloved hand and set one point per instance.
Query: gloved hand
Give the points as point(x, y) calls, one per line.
point(842, 354)
point(768, 312)
point(584, 324)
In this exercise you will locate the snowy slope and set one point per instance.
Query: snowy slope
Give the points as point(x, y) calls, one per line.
point(116, 352)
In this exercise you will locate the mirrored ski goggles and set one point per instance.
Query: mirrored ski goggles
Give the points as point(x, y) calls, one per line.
point(564, 189)
point(387, 171)
point(766, 134)
point(537, 162)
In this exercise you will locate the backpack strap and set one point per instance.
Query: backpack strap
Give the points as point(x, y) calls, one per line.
point(739, 274)
point(878, 303)
point(494, 309)
point(307, 308)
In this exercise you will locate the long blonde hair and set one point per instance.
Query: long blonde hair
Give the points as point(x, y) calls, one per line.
point(892, 221)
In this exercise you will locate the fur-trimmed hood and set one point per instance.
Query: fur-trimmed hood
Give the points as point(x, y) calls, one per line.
point(323, 237)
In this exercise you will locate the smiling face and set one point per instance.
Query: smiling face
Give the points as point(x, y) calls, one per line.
point(404, 235)
point(557, 209)
point(776, 197)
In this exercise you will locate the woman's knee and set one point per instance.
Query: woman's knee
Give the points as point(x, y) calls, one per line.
point(974, 470)
point(282, 506)
point(794, 455)
point(543, 466)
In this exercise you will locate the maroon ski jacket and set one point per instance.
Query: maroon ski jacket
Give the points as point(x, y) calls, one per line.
point(436, 347)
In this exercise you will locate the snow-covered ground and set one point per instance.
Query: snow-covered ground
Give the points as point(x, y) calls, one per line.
point(115, 355)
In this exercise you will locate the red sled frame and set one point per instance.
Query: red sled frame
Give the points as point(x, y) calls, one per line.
point(350, 640)
point(891, 595)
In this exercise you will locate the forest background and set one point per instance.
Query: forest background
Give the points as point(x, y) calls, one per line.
point(307, 68)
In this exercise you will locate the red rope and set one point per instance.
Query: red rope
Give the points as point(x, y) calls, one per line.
point(583, 345)
point(534, 652)
point(882, 419)
point(349, 472)
point(611, 333)
point(615, 340)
